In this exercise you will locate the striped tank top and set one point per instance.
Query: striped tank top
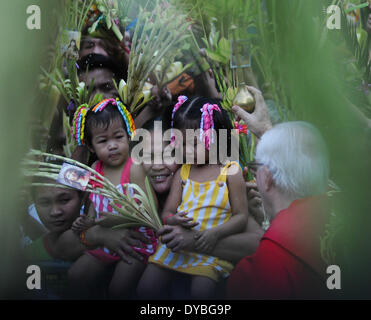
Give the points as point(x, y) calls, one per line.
point(207, 203)
point(102, 204)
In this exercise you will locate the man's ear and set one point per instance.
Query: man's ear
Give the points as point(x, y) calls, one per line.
point(268, 180)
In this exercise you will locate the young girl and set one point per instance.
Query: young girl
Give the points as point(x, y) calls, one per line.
point(106, 129)
point(209, 197)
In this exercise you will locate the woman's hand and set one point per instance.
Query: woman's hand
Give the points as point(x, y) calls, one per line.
point(177, 238)
point(206, 241)
point(161, 98)
point(258, 121)
point(121, 240)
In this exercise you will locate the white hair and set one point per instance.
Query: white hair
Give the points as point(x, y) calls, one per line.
point(296, 156)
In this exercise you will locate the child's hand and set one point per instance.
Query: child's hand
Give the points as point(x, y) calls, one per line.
point(82, 223)
point(206, 241)
point(181, 219)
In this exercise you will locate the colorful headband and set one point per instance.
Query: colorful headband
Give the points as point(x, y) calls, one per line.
point(207, 123)
point(78, 124)
point(128, 119)
point(181, 100)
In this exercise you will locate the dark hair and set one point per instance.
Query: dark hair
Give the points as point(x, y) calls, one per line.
point(163, 117)
point(94, 61)
point(37, 179)
point(150, 124)
point(102, 119)
point(34, 189)
point(110, 42)
point(188, 116)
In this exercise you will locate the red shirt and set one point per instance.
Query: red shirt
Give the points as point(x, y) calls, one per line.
point(287, 263)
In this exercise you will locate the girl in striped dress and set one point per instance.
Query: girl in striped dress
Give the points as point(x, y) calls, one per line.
point(106, 129)
point(210, 198)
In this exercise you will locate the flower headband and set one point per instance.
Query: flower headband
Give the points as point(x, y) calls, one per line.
point(181, 100)
point(207, 123)
point(78, 124)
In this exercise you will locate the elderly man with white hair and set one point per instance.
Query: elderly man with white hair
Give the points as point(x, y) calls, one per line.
point(292, 171)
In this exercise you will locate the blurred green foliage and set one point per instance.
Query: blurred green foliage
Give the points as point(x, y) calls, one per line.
point(21, 55)
point(296, 59)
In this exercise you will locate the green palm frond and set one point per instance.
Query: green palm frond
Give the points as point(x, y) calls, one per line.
point(75, 14)
point(109, 14)
point(360, 52)
point(156, 35)
point(136, 207)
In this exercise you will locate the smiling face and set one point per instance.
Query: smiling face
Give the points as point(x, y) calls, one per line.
point(57, 207)
point(160, 175)
point(110, 143)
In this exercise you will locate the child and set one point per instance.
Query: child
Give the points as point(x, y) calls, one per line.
point(106, 129)
point(209, 197)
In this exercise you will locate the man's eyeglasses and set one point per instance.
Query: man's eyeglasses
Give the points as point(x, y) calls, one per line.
point(254, 166)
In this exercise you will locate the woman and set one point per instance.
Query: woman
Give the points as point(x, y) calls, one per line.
point(57, 209)
point(231, 248)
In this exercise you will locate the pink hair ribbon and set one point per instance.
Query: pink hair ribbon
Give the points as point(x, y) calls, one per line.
point(181, 100)
point(207, 123)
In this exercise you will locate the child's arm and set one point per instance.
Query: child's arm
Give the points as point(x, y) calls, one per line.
point(169, 214)
point(84, 222)
point(174, 198)
point(237, 223)
point(69, 247)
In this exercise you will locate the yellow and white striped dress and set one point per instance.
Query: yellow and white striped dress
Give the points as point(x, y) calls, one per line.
point(208, 204)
